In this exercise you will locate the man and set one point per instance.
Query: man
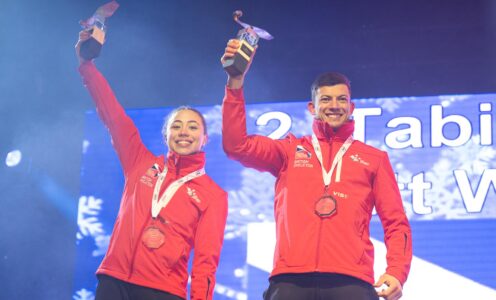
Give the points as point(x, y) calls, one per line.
point(327, 186)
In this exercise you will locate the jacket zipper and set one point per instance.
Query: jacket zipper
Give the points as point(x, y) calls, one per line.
point(404, 246)
point(137, 243)
point(317, 256)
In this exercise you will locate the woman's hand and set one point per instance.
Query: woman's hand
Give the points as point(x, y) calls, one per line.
point(84, 35)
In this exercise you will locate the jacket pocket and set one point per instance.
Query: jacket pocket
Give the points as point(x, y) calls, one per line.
point(172, 250)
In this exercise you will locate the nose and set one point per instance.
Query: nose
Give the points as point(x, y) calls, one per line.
point(333, 103)
point(184, 132)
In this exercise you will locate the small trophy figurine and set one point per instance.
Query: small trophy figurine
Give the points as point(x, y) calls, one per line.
point(96, 26)
point(249, 37)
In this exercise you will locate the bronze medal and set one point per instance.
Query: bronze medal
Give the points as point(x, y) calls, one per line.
point(326, 206)
point(153, 238)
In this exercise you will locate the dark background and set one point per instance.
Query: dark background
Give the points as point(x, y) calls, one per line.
point(164, 53)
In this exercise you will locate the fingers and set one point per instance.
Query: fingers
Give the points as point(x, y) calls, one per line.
point(391, 293)
point(230, 50)
point(83, 36)
point(389, 287)
point(381, 282)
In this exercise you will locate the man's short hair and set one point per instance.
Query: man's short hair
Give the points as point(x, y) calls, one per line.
point(329, 79)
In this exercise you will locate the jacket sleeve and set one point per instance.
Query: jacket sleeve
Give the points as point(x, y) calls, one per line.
point(254, 151)
point(124, 134)
point(208, 243)
point(397, 232)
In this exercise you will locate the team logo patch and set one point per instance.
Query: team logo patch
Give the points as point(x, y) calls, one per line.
point(358, 159)
point(192, 194)
point(302, 153)
point(302, 158)
point(149, 175)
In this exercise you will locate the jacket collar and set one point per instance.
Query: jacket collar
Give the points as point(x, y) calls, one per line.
point(182, 165)
point(324, 132)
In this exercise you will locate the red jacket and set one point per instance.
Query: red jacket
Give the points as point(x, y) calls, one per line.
point(194, 218)
point(305, 242)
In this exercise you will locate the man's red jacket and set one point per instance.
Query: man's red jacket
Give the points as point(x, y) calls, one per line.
point(363, 180)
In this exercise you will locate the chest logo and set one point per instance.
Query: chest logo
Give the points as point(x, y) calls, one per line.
point(192, 194)
point(149, 175)
point(358, 159)
point(302, 153)
point(302, 158)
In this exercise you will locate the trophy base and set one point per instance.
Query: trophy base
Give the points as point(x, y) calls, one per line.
point(235, 66)
point(239, 62)
point(92, 47)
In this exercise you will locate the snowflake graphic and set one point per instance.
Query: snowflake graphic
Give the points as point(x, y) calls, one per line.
point(88, 209)
point(444, 197)
point(83, 294)
point(230, 292)
point(213, 117)
point(388, 104)
point(101, 242)
point(302, 127)
point(253, 202)
point(448, 100)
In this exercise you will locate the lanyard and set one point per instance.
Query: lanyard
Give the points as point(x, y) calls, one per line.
point(316, 147)
point(158, 204)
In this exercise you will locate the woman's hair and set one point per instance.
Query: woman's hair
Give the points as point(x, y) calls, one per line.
point(168, 118)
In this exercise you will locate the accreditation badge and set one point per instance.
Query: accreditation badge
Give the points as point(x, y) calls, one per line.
point(152, 237)
point(326, 206)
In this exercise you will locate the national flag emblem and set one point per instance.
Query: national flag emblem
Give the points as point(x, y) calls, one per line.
point(153, 171)
point(302, 153)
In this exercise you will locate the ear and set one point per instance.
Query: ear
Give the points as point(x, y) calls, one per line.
point(205, 141)
point(352, 107)
point(311, 107)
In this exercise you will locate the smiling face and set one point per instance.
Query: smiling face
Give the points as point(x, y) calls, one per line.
point(332, 104)
point(185, 133)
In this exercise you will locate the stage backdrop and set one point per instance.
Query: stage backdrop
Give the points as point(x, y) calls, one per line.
point(441, 147)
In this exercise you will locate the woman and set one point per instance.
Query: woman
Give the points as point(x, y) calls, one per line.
point(169, 205)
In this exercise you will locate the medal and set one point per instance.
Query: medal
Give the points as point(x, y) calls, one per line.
point(152, 237)
point(326, 206)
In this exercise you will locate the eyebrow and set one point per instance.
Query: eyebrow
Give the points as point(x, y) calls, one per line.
point(330, 96)
point(190, 121)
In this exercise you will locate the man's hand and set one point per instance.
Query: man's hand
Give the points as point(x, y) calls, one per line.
point(83, 36)
point(235, 82)
point(394, 291)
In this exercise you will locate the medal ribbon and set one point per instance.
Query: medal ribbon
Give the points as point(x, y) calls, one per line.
point(158, 204)
point(316, 147)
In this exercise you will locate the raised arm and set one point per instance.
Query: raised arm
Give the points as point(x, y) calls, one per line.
point(125, 136)
point(255, 151)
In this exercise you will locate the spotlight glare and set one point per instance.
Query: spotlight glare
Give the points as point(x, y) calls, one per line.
point(13, 158)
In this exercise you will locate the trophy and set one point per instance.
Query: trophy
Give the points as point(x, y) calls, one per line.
point(96, 26)
point(248, 37)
